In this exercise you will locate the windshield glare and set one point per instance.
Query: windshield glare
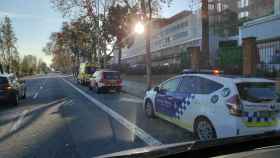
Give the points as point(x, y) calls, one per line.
point(84, 78)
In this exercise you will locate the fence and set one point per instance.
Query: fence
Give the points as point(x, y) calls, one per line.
point(231, 59)
point(269, 56)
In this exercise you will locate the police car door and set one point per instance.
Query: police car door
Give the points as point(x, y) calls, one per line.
point(165, 98)
point(186, 98)
point(196, 95)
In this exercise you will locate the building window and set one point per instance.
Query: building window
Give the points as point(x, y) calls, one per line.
point(180, 35)
point(219, 7)
point(243, 3)
point(243, 14)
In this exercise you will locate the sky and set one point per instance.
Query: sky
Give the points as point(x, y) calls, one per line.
point(33, 22)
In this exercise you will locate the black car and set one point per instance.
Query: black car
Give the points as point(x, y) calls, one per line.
point(11, 89)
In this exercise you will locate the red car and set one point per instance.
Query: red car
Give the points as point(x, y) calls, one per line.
point(106, 80)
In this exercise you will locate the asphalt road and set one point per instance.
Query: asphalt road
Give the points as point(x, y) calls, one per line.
point(60, 118)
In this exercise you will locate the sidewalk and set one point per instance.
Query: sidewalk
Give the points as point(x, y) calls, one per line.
point(136, 85)
point(134, 88)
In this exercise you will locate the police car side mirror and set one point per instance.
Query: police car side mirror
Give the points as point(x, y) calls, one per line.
point(156, 89)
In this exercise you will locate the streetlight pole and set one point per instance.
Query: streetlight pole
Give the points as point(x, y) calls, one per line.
point(148, 41)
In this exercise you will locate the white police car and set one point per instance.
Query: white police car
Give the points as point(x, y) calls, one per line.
point(214, 106)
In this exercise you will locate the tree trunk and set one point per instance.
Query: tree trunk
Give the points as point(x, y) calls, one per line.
point(205, 35)
point(148, 42)
point(120, 56)
point(94, 53)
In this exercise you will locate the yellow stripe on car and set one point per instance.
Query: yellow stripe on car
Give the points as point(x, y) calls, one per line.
point(260, 124)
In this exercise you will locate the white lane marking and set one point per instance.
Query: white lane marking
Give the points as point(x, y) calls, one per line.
point(46, 77)
point(133, 100)
point(36, 95)
point(147, 138)
point(19, 121)
point(41, 87)
point(48, 104)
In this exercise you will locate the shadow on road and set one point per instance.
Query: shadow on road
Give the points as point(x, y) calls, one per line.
point(95, 132)
point(34, 114)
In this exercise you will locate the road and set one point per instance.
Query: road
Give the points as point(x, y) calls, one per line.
point(60, 118)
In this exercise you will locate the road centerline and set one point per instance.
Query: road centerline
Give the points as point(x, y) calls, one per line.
point(40, 88)
point(19, 121)
point(140, 133)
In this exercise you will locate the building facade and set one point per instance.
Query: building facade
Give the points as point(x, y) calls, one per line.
point(267, 33)
point(172, 36)
point(169, 38)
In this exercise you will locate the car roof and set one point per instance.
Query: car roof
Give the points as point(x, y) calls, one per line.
point(107, 70)
point(232, 78)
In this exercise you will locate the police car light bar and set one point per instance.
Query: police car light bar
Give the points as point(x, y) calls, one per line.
point(202, 71)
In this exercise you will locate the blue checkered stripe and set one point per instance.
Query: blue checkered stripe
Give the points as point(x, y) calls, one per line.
point(254, 117)
point(181, 108)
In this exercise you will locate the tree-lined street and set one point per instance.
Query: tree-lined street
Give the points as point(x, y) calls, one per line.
point(68, 120)
point(84, 78)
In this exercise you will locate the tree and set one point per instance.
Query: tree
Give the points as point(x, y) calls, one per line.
point(73, 43)
point(9, 53)
point(96, 13)
point(86, 11)
point(29, 65)
point(100, 31)
point(42, 67)
point(118, 25)
point(149, 8)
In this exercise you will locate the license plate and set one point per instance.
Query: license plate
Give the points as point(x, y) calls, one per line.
point(265, 114)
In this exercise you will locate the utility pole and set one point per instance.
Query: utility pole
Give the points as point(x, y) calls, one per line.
point(148, 40)
point(205, 35)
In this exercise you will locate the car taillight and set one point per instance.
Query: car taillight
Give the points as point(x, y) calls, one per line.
point(119, 81)
point(102, 80)
point(6, 87)
point(234, 105)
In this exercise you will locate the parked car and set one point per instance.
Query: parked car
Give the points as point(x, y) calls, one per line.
point(105, 80)
point(11, 89)
point(216, 106)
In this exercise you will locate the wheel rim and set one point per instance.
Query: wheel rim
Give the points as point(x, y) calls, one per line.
point(204, 130)
point(148, 109)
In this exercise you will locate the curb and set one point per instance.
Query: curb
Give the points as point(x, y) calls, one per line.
point(135, 95)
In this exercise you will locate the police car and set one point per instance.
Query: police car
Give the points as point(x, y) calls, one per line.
point(216, 106)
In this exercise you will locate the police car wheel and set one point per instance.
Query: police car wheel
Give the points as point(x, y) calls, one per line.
point(149, 110)
point(204, 129)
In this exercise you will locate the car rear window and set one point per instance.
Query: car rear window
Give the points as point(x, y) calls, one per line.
point(111, 75)
point(90, 70)
point(257, 92)
point(3, 80)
